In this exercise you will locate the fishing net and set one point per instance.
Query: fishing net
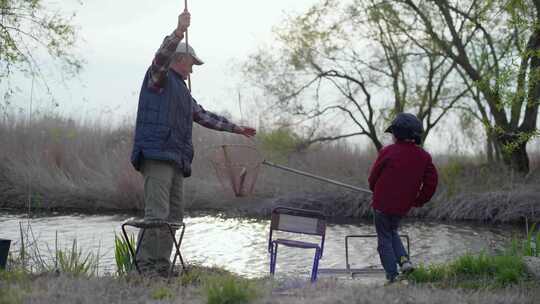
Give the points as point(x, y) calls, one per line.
point(237, 167)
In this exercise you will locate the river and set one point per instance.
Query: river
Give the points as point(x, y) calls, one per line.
point(240, 245)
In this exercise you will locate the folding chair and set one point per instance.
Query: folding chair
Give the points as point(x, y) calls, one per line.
point(297, 221)
point(153, 224)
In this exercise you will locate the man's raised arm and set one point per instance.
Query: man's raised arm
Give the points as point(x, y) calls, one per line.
point(160, 64)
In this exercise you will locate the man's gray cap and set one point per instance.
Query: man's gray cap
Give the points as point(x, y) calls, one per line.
point(181, 48)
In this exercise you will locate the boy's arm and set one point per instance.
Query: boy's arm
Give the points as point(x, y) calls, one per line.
point(429, 185)
point(376, 169)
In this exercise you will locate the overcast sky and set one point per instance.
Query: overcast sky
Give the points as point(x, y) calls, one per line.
point(119, 38)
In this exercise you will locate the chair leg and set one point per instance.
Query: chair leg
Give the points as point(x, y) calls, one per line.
point(177, 247)
point(315, 268)
point(273, 259)
point(133, 254)
point(179, 244)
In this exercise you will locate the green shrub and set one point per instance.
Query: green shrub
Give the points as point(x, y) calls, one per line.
point(279, 143)
point(197, 274)
point(17, 275)
point(72, 261)
point(507, 276)
point(10, 295)
point(162, 293)
point(472, 265)
point(227, 289)
point(474, 271)
point(509, 269)
point(526, 247)
point(450, 175)
point(122, 255)
point(432, 273)
point(529, 247)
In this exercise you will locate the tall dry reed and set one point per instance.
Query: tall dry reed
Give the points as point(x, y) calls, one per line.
point(66, 164)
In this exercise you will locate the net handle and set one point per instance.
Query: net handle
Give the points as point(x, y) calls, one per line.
point(307, 174)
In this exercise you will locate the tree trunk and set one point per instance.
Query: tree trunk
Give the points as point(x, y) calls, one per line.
point(376, 142)
point(517, 158)
point(493, 147)
point(498, 151)
point(489, 150)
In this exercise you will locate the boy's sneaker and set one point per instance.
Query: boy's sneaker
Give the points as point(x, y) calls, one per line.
point(406, 267)
point(398, 280)
point(391, 280)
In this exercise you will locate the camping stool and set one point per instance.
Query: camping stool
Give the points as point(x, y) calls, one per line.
point(297, 221)
point(153, 224)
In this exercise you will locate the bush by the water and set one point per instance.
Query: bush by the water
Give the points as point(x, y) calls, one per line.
point(122, 254)
point(229, 289)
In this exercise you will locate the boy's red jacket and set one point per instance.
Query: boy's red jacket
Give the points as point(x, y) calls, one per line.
point(402, 177)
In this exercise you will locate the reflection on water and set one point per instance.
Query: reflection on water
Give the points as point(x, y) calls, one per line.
point(240, 245)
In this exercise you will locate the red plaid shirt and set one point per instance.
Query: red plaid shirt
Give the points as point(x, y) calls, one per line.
point(158, 76)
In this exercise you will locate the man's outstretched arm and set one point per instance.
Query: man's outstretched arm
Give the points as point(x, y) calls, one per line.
point(213, 121)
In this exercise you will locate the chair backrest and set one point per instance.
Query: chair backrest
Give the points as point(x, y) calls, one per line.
point(298, 221)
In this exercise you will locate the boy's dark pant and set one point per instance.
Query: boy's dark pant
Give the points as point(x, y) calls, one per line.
point(389, 244)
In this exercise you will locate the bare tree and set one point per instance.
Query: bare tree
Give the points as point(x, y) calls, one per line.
point(344, 62)
point(506, 72)
point(421, 80)
point(29, 30)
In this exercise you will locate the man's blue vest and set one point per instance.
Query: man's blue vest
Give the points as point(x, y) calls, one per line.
point(164, 124)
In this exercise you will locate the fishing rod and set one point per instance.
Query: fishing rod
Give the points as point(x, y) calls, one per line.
point(236, 170)
point(187, 46)
point(317, 177)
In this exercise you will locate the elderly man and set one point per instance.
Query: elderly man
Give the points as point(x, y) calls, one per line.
point(163, 148)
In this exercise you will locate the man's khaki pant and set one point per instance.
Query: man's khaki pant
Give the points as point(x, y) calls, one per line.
point(163, 199)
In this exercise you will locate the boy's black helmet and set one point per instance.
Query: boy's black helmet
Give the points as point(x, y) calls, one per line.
point(406, 126)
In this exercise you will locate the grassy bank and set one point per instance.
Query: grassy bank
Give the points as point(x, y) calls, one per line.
point(217, 286)
point(65, 289)
point(54, 163)
point(72, 277)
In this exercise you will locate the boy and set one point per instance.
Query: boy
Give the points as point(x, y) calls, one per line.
point(402, 177)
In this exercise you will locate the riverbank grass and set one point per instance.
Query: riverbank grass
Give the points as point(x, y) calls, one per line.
point(473, 271)
point(224, 289)
point(63, 289)
point(122, 254)
point(483, 270)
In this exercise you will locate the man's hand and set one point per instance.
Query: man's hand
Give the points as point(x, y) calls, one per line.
point(246, 131)
point(183, 22)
